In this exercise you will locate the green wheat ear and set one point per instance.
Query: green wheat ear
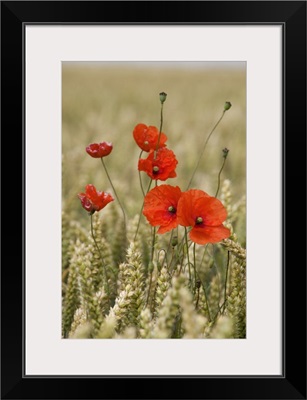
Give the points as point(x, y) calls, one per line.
point(236, 302)
point(146, 324)
point(136, 269)
point(215, 294)
point(193, 324)
point(226, 198)
point(142, 241)
point(130, 301)
point(235, 248)
point(163, 284)
point(108, 326)
point(79, 319)
point(71, 231)
point(168, 315)
point(119, 244)
point(71, 301)
point(83, 331)
point(223, 329)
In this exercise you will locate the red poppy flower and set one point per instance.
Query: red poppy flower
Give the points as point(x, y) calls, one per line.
point(160, 207)
point(160, 167)
point(205, 214)
point(147, 137)
point(92, 200)
point(99, 150)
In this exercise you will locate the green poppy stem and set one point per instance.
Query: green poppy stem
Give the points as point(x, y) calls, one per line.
point(140, 177)
point(137, 229)
point(207, 303)
point(203, 150)
point(194, 265)
point(225, 151)
point(160, 131)
point(115, 193)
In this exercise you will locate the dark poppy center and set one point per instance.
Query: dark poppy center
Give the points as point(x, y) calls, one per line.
point(172, 209)
point(155, 169)
point(199, 220)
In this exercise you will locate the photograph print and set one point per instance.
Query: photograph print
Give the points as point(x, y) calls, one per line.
point(154, 200)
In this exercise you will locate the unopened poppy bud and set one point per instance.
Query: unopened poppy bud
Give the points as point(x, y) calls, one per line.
point(227, 105)
point(225, 152)
point(198, 283)
point(162, 97)
point(174, 241)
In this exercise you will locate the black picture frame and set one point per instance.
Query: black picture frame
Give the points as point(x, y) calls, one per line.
point(292, 16)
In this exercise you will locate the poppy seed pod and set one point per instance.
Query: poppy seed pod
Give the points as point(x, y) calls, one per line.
point(162, 97)
point(227, 105)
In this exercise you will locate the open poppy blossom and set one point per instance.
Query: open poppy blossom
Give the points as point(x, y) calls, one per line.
point(160, 207)
point(160, 167)
point(99, 150)
point(205, 214)
point(93, 200)
point(147, 137)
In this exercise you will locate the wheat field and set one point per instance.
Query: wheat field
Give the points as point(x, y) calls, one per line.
point(119, 285)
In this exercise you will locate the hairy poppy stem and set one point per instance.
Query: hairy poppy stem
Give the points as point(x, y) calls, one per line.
point(160, 130)
point(137, 228)
point(202, 259)
point(140, 178)
point(207, 304)
point(204, 147)
point(194, 262)
point(103, 264)
point(161, 124)
point(115, 193)
point(225, 153)
point(198, 291)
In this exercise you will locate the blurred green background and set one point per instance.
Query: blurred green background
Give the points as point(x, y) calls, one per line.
point(104, 102)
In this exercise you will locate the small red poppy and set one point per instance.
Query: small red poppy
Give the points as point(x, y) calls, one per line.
point(147, 137)
point(93, 200)
point(160, 167)
point(160, 207)
point(205, 214)
point(99, 150)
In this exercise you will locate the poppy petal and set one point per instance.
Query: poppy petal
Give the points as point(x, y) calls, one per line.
point(209, 234)
point(90, 191)
point(99, 150)
point(163, 229)
point(160, 205)
point(147, 137)
point(211, 210)
point(159, 166)
point(185, 210)
point(93, 200)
